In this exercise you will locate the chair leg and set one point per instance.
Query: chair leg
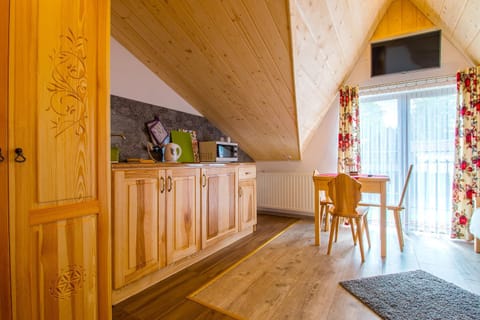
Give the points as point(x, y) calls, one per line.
point(322, 212)
point(332, 231)
point(327, 226)
point(352, 227)
point(360, 236)
point(336, 225)
point(365, 222)
point(398, 225)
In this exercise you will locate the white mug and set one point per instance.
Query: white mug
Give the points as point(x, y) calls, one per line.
point(172, 152)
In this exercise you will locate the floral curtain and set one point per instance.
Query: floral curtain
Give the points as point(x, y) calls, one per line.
point(466, 176)
point(349, 131)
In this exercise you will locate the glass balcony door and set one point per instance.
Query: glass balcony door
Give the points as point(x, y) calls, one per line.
point(414, 127)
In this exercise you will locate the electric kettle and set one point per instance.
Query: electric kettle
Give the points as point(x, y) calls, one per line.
point(172, 152)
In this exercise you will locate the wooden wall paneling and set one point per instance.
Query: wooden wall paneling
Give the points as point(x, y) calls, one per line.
point(5, 294)
point(401, 18)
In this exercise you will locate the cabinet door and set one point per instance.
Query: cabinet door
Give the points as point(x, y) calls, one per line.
point(219, 204)
point(183, 212)
point(138, 228)
point(247, 196)
point(59, 159)
point(247, 203)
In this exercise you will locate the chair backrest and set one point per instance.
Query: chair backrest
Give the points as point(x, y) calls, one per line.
point(404, 191)
point(344, 191)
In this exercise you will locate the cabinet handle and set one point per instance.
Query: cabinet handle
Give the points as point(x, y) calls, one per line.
point(204, 178)
point(19, 157)
point(169, 184)
point(240, 192)
point(1, 156)
point(162, 184)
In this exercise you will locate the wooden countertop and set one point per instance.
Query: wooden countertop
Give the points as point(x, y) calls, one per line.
point(134, 165)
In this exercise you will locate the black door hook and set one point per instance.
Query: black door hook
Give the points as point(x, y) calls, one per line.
point(19, 157)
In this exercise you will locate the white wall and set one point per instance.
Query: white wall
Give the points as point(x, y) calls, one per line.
point(321, 152)
point(131, 79)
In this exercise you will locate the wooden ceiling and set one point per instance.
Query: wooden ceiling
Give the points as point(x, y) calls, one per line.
point(265, 72)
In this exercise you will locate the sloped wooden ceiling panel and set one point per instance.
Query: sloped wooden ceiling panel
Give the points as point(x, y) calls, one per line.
point(327, 38)
point(231, 60)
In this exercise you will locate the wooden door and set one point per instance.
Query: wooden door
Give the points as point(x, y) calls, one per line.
point(219, 204)
point(59, 159)
point(183, 212)
point(138, 226)
point(5, 297)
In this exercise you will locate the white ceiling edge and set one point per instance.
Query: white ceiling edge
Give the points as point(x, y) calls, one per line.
point(131, 79)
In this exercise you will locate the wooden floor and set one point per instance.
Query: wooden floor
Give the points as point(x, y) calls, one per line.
point(453, 261)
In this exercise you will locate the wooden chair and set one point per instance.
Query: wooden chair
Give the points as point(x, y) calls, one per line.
point(344, 191)
point(397, 209)
point(325, 204)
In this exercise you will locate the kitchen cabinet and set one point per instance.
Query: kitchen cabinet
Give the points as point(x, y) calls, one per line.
point(138, 224)
point(167, 216)
point(247, 197)
point(219, 204)
point(55, 157)
point(156, 220)
point(183, 212)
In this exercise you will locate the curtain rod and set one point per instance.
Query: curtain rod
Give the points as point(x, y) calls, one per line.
point(409, 83)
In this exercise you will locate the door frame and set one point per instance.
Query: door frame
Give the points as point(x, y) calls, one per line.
point(5, 291)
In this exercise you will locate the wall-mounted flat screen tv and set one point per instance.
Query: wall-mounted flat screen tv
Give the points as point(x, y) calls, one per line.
point(405, 54)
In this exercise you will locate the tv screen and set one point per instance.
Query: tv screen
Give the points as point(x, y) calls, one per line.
point(405, 54)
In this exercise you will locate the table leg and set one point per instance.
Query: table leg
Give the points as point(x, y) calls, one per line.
point(317, 218)
point(477, 245)
point(383, 221)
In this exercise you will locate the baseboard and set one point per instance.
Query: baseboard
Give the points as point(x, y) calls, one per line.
point(285, 213)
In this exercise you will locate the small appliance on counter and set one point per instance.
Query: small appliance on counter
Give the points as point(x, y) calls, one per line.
point(172, 152)
point(218, 151)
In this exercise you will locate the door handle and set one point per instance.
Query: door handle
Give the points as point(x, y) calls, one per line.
point(162, 185)
point(19, 155)
point(1, 156)
point(169, 184)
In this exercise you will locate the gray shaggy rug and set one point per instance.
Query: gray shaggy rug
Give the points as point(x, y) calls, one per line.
point(414, 295)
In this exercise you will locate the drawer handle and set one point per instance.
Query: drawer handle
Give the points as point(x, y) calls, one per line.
point(169, 184)
point(162, 185)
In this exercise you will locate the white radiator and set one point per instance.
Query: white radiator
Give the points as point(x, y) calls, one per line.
point(285, 192)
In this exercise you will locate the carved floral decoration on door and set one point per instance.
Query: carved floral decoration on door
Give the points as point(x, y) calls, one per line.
point(68, 85)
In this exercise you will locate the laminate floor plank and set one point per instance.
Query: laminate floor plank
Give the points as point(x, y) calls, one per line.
point(451, 260)
point(167, 299)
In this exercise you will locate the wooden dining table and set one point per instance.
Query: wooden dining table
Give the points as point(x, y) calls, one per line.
point(371, 183)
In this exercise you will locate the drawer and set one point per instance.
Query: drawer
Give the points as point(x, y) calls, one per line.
point(247, 172)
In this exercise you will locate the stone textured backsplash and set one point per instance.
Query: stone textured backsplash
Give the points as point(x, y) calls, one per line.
point(129, 117)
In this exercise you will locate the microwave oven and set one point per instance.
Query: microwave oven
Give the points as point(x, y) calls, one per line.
point(218, 151)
